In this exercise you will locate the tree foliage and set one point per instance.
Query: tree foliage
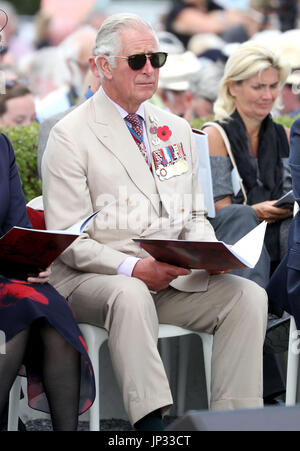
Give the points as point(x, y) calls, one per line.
point(26, 7)
point(24, 141)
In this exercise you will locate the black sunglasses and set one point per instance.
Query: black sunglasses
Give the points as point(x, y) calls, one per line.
point(138, 61)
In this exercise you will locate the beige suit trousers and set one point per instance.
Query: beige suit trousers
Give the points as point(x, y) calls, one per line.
point(234, 309)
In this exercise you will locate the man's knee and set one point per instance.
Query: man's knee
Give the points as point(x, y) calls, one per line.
point(254, 299)
point(132, 295)
point(100, 299)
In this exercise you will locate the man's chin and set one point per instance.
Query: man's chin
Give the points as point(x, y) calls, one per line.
point(146, 91)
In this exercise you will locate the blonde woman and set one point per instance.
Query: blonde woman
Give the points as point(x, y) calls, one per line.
point(248, 92)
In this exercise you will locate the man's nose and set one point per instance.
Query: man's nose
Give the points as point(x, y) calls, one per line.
point(148, 68)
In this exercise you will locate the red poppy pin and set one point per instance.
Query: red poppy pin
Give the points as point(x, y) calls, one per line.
point(164, 133)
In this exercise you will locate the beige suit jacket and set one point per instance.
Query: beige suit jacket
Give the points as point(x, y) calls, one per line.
point(91, 160)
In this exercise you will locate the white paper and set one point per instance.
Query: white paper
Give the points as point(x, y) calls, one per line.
point(204, 172)
point(75, 229)
point(248, 248)
point(78, 228)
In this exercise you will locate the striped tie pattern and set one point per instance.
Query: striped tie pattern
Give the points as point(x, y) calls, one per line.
point(137, 132)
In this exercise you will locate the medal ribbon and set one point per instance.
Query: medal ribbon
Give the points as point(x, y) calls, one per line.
point(137, 132)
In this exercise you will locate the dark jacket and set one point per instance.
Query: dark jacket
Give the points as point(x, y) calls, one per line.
point(12, 201)
point(284, 285)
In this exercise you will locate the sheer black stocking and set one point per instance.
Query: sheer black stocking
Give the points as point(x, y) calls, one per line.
point(60, 368)
point(10, 363)
point(61, 379)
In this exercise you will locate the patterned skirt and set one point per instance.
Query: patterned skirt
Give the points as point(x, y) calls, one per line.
point(22, 303)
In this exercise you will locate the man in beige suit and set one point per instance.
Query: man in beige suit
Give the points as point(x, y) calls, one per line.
point(97, 156)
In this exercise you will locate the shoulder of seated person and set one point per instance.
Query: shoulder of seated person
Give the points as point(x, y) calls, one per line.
point(215, 141)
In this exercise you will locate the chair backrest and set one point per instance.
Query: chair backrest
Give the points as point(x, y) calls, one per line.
point(36, 203)
point(35, 211)
point(204, 173)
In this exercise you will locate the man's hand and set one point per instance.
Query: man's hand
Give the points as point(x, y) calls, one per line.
point(155, 274)
point(267, 212)
point(43, 277)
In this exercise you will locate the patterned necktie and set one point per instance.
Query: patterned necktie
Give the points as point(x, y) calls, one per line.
point(137, 132)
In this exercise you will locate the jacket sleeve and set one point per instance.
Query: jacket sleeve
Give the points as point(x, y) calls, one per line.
point(294, 159)
point(13, 201)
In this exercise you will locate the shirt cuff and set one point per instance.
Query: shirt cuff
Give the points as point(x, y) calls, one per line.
point(126, 267)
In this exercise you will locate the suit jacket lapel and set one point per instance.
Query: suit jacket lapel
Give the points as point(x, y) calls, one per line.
point(120, 142)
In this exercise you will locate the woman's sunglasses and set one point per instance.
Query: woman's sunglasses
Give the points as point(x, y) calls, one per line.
point(138, 61)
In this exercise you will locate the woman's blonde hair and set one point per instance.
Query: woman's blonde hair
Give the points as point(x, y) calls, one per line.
point(250, 59)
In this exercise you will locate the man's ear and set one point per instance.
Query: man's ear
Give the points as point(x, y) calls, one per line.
point(101, 64)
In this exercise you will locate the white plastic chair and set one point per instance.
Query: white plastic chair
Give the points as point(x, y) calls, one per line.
point(14, 404)
point(36, 203)
point(96, 336)
point(292, 366)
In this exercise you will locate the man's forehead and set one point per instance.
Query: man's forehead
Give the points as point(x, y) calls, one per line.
point(138, 39)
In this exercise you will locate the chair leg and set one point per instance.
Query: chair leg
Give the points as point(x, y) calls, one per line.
point(292, 367)
point(14, 403)
point(207, 344)
point(94, 338)
point(95, 408)
point(184, 344)
point(165, 355)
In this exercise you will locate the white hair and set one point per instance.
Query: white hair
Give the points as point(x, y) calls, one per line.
point(205, 83)
point(250, 59)
point(46, 64)
point(108, 40)
point(169, 43)
point(71, 45)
